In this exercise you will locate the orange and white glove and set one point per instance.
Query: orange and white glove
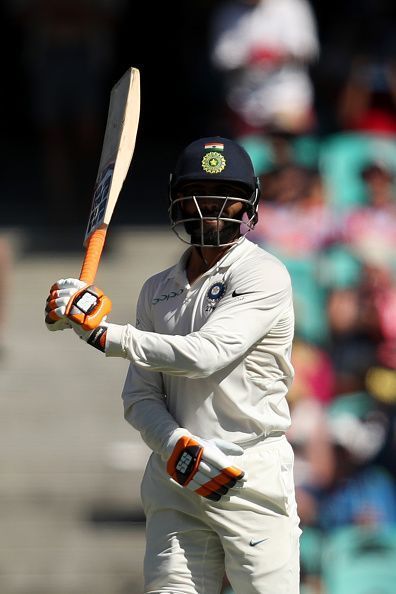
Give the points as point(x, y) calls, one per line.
point(59, 296)
point(71, 303)
point(203, 465)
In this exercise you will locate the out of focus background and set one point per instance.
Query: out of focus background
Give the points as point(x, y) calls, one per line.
point(309, 89)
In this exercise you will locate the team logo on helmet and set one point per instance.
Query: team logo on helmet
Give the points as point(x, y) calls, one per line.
point(213, 162)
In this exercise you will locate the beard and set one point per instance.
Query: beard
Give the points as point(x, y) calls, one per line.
point(224, 232)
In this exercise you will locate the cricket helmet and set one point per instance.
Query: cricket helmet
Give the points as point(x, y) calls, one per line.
point(214, 159)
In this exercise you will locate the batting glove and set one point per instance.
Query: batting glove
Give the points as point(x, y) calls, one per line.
point(203, 465)
point(81, 307)
point(60, 294)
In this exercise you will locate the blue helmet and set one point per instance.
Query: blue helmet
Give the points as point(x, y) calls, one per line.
point(215, 159)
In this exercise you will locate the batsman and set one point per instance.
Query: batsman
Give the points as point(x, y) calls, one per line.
point(207, 387)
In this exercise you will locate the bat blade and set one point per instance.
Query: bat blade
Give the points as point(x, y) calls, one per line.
point(117, 152)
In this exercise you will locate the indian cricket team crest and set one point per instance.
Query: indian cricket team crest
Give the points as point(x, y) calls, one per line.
point(213, 162)
point(214, 294)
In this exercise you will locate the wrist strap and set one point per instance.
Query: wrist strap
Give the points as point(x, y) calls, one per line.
point(98, 338)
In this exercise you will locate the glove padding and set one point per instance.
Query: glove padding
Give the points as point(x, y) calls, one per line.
point(88, 308)
point(203, 465)
point(74, 304)
point(60, 294)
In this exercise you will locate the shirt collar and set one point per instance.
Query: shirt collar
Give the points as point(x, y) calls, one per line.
point(178, 271)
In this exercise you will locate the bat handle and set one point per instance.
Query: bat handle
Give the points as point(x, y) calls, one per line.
point(92, 255)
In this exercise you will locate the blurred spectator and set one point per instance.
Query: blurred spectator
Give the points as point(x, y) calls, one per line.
point(341, 480)
point(369, 233)
point(368, 97)
point(370, 229)
point(68, 54)
point(308, 435)
point(314, 374)
point(294, 217)
point(379, 302)
point(344, 156)
point(311, 392)
point(273, 150)
point(357, 43)
point(351, 343)
point(296, 223)
point(358, 492)
point(262, 50)
point(362, 329)
point(379, 179)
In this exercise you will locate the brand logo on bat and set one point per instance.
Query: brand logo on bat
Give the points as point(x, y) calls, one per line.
point(99, 200)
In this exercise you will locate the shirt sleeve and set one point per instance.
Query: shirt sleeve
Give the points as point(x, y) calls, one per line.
point(144, 399)
point(237, 324)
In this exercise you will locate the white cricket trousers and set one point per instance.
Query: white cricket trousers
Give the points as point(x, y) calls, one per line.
point(253, 535)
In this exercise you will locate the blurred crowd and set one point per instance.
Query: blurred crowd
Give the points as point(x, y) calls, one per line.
point(327, 168)
point(312, 98)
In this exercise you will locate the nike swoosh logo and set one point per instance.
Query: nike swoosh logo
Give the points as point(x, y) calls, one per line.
point(235, 294)
point(253, 543)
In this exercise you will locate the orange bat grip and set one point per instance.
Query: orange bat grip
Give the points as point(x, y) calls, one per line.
point(92, 256)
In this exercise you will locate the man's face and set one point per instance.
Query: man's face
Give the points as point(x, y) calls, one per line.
point(210, 213)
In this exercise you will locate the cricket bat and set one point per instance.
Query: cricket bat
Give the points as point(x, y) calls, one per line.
point(117, 151)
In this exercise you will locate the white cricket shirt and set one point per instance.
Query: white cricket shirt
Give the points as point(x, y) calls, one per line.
point(212, 357)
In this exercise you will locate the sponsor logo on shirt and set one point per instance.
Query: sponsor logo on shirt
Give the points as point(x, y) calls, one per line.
point(253, 543)
point(167, 296)
point(236, 293)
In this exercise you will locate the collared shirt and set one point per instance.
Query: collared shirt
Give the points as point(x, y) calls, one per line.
point(214, 356)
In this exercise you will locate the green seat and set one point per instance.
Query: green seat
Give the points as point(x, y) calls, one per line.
point(338, 268)
point(358, 404)
point(358, 560)
point(341, 159)
point(304, 150)
point(310, 550)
